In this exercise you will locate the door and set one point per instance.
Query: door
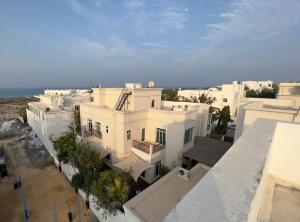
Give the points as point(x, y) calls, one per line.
point(90, 125)
point(143, 134)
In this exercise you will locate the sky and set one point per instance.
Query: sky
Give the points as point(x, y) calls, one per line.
point(176, 43)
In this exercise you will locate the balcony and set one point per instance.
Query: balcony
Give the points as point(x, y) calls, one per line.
point(84, 132)
point(147, 147)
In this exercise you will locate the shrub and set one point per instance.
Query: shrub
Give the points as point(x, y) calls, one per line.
point(112, 190)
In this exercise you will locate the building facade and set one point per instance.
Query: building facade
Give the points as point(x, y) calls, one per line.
point(226, 95)
point(132, 122)
point(258, 85)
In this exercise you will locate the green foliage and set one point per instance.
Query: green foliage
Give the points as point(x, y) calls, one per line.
point(65, 147)
point(164, 170)
point(223, 117)
point(203, 98)
point(112, 190)
point(265, 93)
point(169, 95)
point(86, 159)
point(78, 181)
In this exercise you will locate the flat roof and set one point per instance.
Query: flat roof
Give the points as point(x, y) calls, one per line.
point(207, 150)
point(285, 204)
point(155, 203)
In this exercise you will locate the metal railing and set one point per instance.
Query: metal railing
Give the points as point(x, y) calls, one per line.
point(84, 132)
point(147, 147)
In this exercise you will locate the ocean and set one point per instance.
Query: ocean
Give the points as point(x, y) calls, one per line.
point(20, 92)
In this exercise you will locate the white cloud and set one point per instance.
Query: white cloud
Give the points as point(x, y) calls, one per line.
point(161, 17)
point(227, 14)
point(255, 20)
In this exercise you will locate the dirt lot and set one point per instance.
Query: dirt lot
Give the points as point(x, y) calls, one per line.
point(46, 190)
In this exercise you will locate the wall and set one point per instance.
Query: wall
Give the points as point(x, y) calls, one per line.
point(248, 113)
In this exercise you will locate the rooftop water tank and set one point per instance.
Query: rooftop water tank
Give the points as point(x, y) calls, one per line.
point(133, 85)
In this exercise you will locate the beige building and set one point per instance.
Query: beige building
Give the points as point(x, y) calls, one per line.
point(137, 131)
point(257, 180)
point(289, 91)
point(251, 109)
point(226, 95)
point(258, 85)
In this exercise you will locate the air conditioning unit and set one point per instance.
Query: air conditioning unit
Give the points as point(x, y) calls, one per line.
point(184, 173)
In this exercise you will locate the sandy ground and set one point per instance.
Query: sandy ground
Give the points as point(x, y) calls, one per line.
point(46, 190)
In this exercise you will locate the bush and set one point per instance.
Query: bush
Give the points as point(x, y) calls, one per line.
point(112, 190)
point(65, 147)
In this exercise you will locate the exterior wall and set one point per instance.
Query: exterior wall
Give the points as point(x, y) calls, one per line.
point(140, 99)
point(258, 85)
point(225, 193)
point(229, 95)
point(250, 112)
point(47, 124)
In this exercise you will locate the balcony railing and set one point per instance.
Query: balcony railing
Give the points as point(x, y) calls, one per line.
point(84, 132)
point(147, 147)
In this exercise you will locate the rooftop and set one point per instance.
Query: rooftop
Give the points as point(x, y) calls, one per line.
point(285, 205)
point(154, 203)
point(207, 150)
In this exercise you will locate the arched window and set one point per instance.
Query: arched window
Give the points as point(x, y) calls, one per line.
point(224, 100)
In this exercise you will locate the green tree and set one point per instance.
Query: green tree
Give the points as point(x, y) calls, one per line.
point(251, 93)
point(203, 98)
point(112, 190)
point(223, 118)
point(169, 95)
point(86, 159)
point(65, 147)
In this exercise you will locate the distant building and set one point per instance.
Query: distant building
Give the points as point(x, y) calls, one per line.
point(226, 95)
point(54, 114)
point(258, 85)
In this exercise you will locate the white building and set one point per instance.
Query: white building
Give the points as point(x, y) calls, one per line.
point(54, 114)
point(258, 85)
point(226, 95)
point(135, 130)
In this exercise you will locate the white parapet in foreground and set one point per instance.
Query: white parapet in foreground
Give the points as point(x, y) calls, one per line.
point(238, 188)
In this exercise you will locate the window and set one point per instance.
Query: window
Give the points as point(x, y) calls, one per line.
point(225, 100)
point(188, 135)
point(143, 134)
point(77, 107)
point(157, 168)
point(128, 134)
point(153, 103)
point(161, 136)
point(106, 129)
point(98, 127)
point(91, 99)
